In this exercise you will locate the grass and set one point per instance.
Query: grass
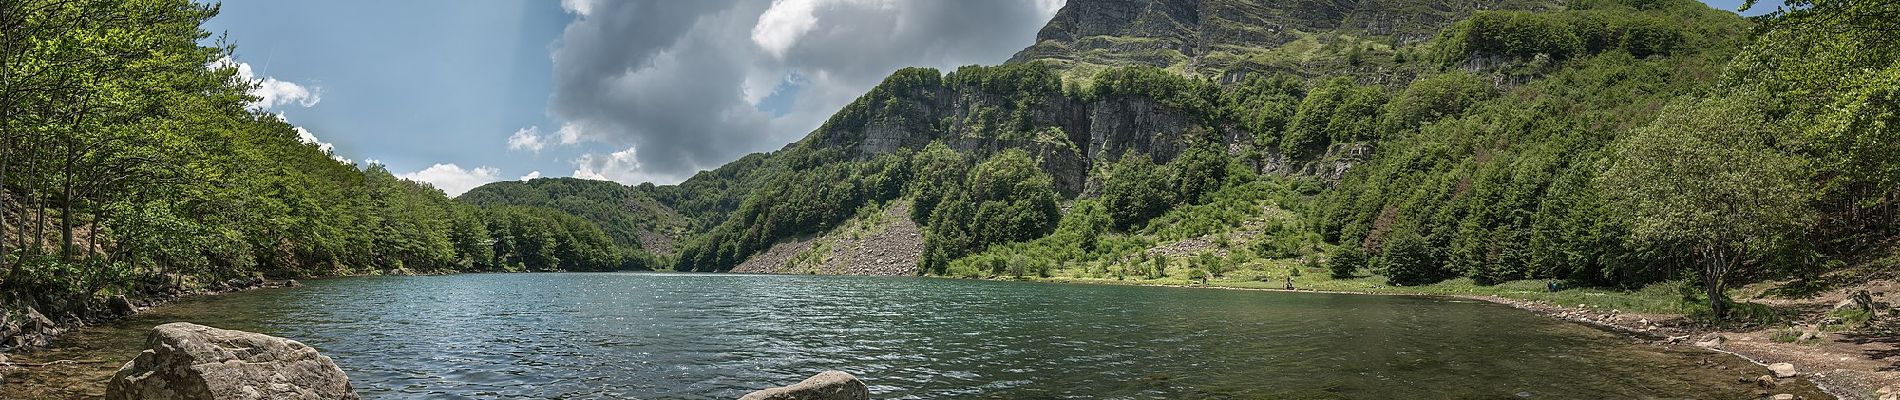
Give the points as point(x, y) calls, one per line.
point(1659, 298)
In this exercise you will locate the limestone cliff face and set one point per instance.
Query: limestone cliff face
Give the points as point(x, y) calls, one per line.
point(1070, 136)
point(1225, 38)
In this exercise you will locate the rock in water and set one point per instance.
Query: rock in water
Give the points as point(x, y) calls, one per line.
point(190, 361)
point(1783, 370)
point(828, 385)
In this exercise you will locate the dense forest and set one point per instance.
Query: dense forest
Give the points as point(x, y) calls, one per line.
point(131, 162)
point(1606, 143)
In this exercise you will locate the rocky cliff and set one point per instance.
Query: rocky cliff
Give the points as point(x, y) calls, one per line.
point(1227, 38)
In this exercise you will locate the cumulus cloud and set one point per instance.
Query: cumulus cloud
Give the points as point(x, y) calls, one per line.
point(686, 82)
point(581, 7)
point(569, 134)
point(271, 92)
point(531, 176)
point(620, 166)
point(528, 138)
point(453, 179)
point(304, 135)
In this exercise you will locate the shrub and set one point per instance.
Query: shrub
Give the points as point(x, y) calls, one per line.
point(1409, 261)
point(1348, 260)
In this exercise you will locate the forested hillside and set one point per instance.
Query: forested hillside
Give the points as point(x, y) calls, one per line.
point(1607, 143)
point(131, 163)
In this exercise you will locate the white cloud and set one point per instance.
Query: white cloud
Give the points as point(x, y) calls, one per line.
point(531, 176)
point(579, 7)
point(1049, 7)
point(780, 26)
point(452, 179)
point(271, 92)
point(528, 138)
point(570, 133)
point(620, 166)
point(304, 135)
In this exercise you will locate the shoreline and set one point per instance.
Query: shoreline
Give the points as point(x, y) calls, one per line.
point(45, 338)
point(1661, 330)
point(1652, 329)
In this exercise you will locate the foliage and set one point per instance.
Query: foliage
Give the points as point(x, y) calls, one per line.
point(132, 159)
point(1410, 261)
point(1346, 261)
point(1006, 198)
point(1704, 179)
point(1338, 111)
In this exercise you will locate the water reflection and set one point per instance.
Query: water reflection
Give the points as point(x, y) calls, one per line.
point(719, 336)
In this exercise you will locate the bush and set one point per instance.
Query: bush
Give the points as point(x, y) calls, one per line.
point(1409, 261)
point(1348, 260)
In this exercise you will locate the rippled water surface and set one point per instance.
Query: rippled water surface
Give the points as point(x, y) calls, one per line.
point(720, 336)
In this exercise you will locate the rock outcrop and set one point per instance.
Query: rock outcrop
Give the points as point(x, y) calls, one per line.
point(1203, 34)
point(828, 385)
point(190, 361)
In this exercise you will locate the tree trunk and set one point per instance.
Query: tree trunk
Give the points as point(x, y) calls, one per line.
point(1715, 267)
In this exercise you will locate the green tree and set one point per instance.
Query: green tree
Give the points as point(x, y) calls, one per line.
point(1346, 261)
point(1704, 179)
point(1136, 191)
point(1410, 261)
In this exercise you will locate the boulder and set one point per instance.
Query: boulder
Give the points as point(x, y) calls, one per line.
point(121, 306)
point(190, 361)
point(1783, 370)
point(828, 385)
point(37, 322)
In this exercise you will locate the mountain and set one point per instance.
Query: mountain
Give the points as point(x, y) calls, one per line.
point(1230, 38)
point(630, 216)
point(1440, 140)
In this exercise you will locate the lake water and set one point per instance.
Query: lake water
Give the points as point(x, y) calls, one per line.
point(652, 335)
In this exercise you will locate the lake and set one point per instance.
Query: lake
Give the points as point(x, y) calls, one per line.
point(661, 335)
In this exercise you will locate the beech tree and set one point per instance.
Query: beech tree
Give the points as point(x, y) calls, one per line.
point(1704, 179)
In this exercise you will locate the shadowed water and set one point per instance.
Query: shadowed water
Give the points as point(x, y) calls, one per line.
point(720, 336)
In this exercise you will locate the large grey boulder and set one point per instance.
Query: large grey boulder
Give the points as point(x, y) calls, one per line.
point(190, 361)
point(828, 385)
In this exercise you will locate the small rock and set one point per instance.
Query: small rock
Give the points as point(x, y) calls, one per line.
point(1783, 370)
point(1784, 396)
point(1711, 340)
point(1766, 381)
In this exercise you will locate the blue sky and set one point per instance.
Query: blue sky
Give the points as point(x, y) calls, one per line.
point(459, 93)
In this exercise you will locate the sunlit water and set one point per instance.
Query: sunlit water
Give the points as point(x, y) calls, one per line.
point(720, 336)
